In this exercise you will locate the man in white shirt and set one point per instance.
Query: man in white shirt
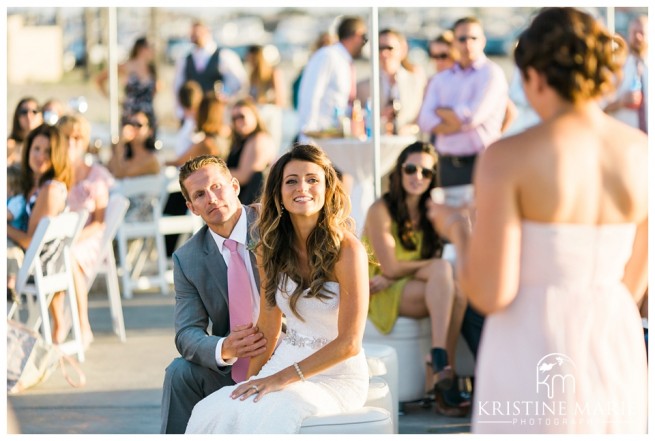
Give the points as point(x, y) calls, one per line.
point(208, 64)
point(401, 85)
point(629, 103)
point(328, 83)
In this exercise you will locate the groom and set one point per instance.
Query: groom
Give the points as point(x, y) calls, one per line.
point(202, 267)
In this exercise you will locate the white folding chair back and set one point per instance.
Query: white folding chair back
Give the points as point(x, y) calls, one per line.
point(40, 279)
point(114, 215)
point(142, 233)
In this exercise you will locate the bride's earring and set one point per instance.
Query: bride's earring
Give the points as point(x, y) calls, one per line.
point(281, 211)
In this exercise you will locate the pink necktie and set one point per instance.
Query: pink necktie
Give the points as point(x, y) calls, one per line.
point(239, 300)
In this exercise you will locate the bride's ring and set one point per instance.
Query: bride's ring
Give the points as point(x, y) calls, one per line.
point(255, 387)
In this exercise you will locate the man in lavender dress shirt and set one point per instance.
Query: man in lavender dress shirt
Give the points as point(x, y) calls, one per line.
point(464, 106)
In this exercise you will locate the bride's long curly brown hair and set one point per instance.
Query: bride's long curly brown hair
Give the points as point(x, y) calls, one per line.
point(280, 257)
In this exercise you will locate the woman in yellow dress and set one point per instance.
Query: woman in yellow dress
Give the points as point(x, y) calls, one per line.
point(411, 279)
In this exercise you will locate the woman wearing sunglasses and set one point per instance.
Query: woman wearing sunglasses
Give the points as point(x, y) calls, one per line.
point(135, 154)
point(442, 51)
point(252, 150)
point(411, 280)
point(27, 116)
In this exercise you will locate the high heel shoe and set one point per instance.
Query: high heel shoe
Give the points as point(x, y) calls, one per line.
point(443, 379)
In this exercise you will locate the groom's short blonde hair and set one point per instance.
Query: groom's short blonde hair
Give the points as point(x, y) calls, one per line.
point(195, 164)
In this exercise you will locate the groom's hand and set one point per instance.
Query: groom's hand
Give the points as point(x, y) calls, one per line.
point(244, 341)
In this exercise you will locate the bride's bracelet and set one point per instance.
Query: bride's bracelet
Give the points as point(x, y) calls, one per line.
point(299, 372)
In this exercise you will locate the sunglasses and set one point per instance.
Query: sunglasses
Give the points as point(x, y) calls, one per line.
point(442, 56)
point(411, 169)
point(364, 38)
point(23, 112)
point(136, 124)
point(386, 48)
point(237, 117)
point(463, 38)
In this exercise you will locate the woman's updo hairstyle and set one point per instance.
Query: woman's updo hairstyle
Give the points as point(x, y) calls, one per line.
point(575, 52)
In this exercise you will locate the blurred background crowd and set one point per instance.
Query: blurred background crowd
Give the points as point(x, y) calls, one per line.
point(72, 45)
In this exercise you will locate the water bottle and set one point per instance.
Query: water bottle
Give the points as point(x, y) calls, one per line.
point(357, 129)
point(368, 119)
point(637, 93)
point(395, 104)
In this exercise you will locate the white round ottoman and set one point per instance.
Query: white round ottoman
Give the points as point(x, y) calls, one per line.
point(383, 362)
point(411, 340)
point(374, 417)
point(364, 420)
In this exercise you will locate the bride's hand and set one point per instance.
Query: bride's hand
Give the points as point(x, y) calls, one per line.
point(258, 387)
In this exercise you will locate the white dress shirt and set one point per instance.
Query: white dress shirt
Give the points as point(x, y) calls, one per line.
point(239, 234)
point(229, 65)
point(630, 76)
point(408, 89)
point(324, 87)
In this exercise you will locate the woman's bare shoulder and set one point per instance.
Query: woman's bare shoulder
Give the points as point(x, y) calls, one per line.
point(261, 138)
point(351, 246)
point(378, 208)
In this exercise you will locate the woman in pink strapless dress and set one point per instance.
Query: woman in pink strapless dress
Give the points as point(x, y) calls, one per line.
point(90, 191)
point(557, 253)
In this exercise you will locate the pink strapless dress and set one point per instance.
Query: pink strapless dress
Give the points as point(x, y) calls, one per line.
point(568, 354)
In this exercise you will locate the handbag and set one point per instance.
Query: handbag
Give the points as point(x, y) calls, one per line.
point(30, 360)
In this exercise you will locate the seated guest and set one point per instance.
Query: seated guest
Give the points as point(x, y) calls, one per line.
point(90, 191)
point(190, 96)
point(46, 179)
point(16, 203)
point(27, 116)
point(214, 139)
point(52, 110)
point(252, 150)
point(210, 122)
point(136, 155)
point(411, 280)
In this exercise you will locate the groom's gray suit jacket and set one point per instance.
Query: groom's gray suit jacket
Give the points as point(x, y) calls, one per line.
point(201, 295)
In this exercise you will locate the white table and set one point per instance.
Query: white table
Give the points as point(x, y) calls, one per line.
point(355, 158)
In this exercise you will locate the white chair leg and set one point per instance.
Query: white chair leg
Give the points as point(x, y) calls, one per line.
point(75, 318)
point(115, 305)
point(122, 258)
point(138, 255)
point(45, 317)
point(161, 262)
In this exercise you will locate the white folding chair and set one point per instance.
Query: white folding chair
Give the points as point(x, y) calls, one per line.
point(39, 279)
point(143, 234)
point(114, 215)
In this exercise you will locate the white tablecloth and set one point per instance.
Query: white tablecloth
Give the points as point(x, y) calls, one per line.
point(355, 157)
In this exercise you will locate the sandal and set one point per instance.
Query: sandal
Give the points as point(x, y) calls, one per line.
point(444, 379)
point(442, 408)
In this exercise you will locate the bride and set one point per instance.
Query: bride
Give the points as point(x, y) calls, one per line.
point(314, 272)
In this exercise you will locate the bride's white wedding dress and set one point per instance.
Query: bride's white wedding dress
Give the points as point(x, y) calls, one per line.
point(336, 390)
